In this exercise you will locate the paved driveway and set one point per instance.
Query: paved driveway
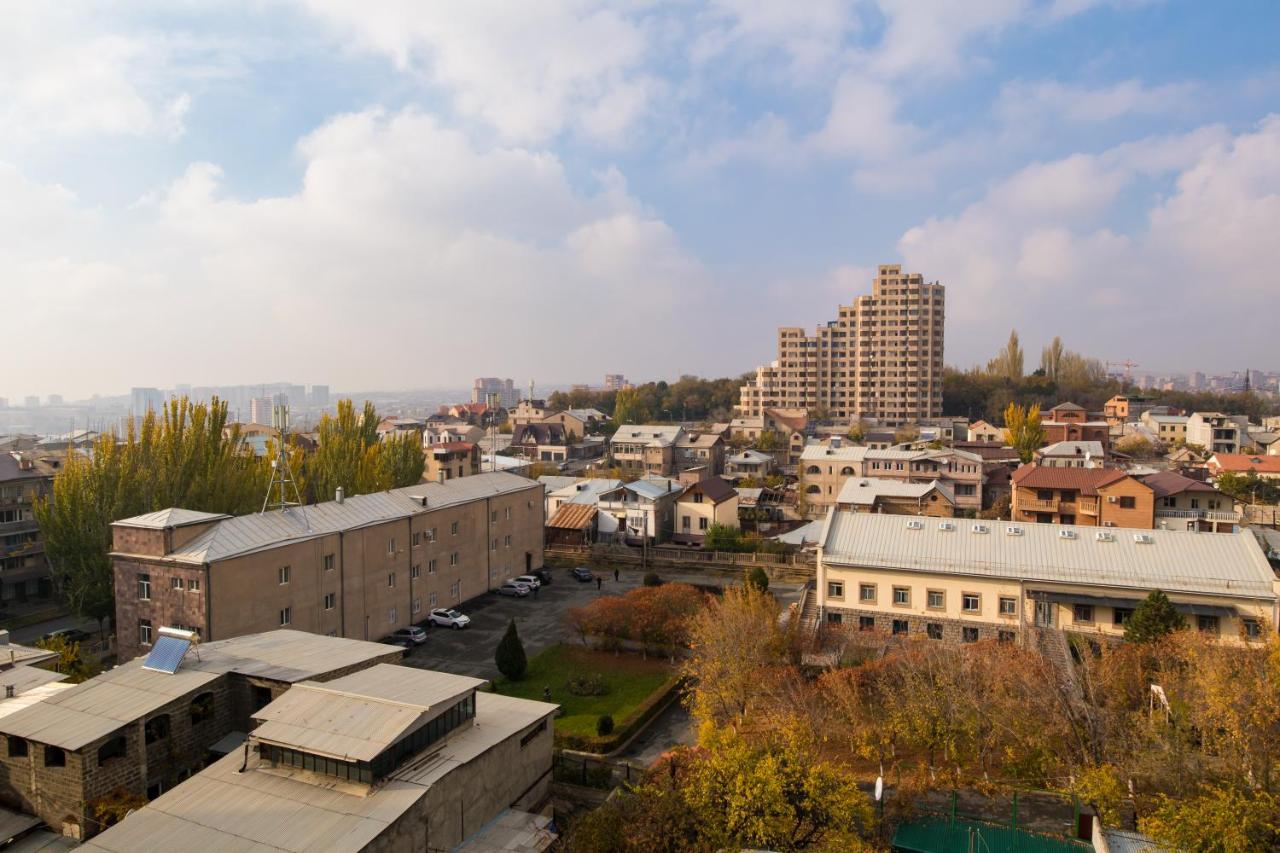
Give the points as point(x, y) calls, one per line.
point(540, 620)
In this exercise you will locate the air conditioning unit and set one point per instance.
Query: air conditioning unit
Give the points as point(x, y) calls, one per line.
point(1112, 499)
point(981, 528)
point(1144, 538)
point(1104, 536)
point(1013, 531)
point(1066, 534)
point(915, 524)
point(947, 525)
point(1108, 524)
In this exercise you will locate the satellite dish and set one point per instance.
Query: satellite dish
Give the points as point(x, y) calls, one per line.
point(879, 788)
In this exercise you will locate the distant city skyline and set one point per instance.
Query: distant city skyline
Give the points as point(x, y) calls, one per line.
point(395, 196)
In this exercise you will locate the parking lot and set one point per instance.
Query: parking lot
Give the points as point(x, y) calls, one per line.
point(539, 619)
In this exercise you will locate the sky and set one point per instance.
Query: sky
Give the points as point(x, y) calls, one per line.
point(408, 195)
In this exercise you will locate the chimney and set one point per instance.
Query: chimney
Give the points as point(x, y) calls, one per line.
point(340, 494)
point(423, 500)
point(835, 442)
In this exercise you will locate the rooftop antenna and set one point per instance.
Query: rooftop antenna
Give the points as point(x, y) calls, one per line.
point(493, 402)
point(282, 479)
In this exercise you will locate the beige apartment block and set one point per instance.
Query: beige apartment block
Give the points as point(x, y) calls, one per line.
point(359, 568)
point(881, 358)
point(964, 581)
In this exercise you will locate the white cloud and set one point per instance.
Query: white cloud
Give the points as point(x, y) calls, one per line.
point(529, 70)
point(1031, 253)
point(931, 37)
point(863, 122)
point(811, 36)
point(1047, 101)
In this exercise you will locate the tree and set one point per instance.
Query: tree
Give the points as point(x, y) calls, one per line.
point(1051, 360)
point(1023, 430)
point(1153, 618)
point(768, 440)
point(1138, 446)
point(722, 537)
point(70, 662)
point(510, 656)
point(1008, 363)
point(1221, 819)
point(350, 454)
point(628, 408)
point(604, 725)
point(758, 578)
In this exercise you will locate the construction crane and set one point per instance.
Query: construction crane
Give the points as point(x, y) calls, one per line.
point(1128, 366)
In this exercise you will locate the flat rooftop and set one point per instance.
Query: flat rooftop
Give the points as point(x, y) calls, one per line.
point(1221, 564)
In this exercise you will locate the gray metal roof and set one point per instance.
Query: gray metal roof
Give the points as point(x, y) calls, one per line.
point(844, 453)
point(586, 491)
point(1073, 448)
point(172, 517)
point(863, 491)
point(646, 432)
point(246, 534)
point(262, 812)
point(1225, 564)
point(95, 708)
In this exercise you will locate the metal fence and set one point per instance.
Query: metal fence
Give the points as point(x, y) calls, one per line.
point(605, 774)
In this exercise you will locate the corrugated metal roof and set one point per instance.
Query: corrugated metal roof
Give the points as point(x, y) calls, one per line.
point(645, 432)
point(97, 707)
point(586, 491)
point(23, 678)
point(844, 453)
point(1175, 561)
point(573, 516)
point(1073, 448)
point(172, 517)
point(863, 491)
point(355, 718)
point(225, 810)
point(246, 534)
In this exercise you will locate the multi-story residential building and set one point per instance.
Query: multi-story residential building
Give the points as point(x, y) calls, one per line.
point(1186, 504)
point(1069, 422)
point(703, 450)
point(1124, 408)
point(708, 501)
point(1090, 497)
point(880, 358)
point(824, 470)
point(261, 408)
point(982, 431)
point(25, 477)
point(1168, 428)
point(451, 460)
point(489, 386)
point(319, 395)
point(143, 400)
point(142, 728)
point(358, 567)
point(640, 511)
point(389, 758)
point(647, 447)
point(1267, 467)
point(1071, 454)
point(750, 463)
point(615, 382)
point(577, 423)
point(969, 580)
point(1218, 433)
point(895, 497)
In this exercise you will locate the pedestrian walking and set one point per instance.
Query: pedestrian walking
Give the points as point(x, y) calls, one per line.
point(617, 575)
point(599, 582)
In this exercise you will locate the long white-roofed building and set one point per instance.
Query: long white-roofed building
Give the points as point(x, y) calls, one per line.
point(969, 580)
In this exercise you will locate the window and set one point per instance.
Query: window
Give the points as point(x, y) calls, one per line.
point(1128, 502)
point(1251, 629)
point(175, 583)
point(970, 602)
point(702, 524)
point(453, 558)
point(507, 513)
point(144, 587)
point(417, 539)
point(493, 516)
point(391, 615)
point(835, 618)
point(1044, 494)
point(494, 545)
point(1006, 636)
point(193, 584)
point(329, 561)
point(1120, 615)
point(866, 623)
point(156, 728)
point(969, 635)
point(456, 590)
point(431, 566)
point(283, 575)
point(431, 600)
point(684, 522)
point(835, 589)
point(417, 605)
point(17, 747)
point(507, 542)
point(453, 528)
point(431, 535)
point(934, 630)
point(902, 596)
point(935, 599)
point(201, 708)
point(415, 572)
point(1207, 624)
point(391, 545)
point(391, 580)
point(900, 626)
point(114, 748)
point(54, 757)
point(284, 616)
point(1082, 613)
point(330, 599)
point(1008, 606)
point(144, 631)
point(867, 592)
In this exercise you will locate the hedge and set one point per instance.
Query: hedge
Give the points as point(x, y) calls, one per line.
point(646, 711)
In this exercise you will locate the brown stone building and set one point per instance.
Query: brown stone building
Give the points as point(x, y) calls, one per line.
point(1091, 497)
point(25, 477)
point(451, 460)
point(1069, 422)
point(360, 568)
point(140, 731)
point(881, 358)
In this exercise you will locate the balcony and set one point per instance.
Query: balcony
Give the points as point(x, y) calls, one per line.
point(1198, 514)
point(23, 526)
point(1037, 505)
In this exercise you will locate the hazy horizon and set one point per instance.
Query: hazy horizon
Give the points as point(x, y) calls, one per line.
point(403, 195)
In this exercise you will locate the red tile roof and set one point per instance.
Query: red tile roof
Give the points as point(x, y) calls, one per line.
point(1242, 463)
point(1172, 483)
point(1087, 481)
point(454, 446)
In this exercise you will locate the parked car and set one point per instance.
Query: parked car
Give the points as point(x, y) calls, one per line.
point(415, 635)
point(511, 588)
point(71, 635)
point(582, 575)
point(447, 618)
point(402, 642)
point(529, 581)
point(543, 575)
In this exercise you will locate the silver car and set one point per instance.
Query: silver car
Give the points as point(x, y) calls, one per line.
point(529, 581)
point(511, 588)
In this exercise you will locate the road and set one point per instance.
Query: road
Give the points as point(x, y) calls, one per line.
point(28, 635)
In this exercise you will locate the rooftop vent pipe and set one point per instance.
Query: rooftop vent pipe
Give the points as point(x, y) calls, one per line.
point(339, 494)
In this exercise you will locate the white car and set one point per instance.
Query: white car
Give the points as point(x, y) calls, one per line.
point(447, 618)
point(528, 580)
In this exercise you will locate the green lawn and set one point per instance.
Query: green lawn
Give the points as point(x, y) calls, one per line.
point(631, 679)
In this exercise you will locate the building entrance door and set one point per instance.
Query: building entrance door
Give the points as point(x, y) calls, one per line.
point(1044, 614)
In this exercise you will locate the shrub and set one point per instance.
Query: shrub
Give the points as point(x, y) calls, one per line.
point(587, 685)
point(510, 656)
point(604, 725)
point(652, 579)
point(757, 577)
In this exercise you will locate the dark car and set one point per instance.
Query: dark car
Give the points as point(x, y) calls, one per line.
point(71, 635)
point(582, 575)
point(543, 575)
